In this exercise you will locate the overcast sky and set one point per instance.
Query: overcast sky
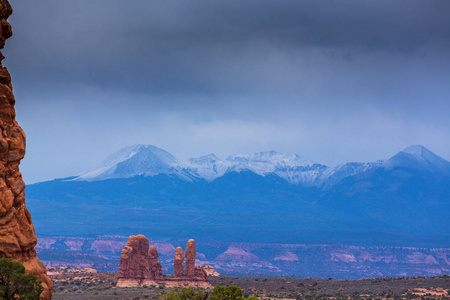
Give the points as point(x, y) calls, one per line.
point(333, 81)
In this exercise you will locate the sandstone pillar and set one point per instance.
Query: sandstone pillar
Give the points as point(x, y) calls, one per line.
point(178, 263)
point(17, 236)
point(155, 265)
point(191, 253)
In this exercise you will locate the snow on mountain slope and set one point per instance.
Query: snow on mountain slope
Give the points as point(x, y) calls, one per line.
point(291, 167)
point(269, 161)
point(208, 167)
point(131, 161)
point(331, 176)
point(150, 161)
point(419, 157)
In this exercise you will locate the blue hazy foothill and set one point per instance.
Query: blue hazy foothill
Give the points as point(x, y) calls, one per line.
point(266, 197)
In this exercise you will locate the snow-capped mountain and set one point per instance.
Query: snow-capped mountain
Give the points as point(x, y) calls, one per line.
point(263, 197)
point(150, 161)
point(290, 167)
point(134, 160)
point(418, 157)
point(208, 167)
point(331, 176)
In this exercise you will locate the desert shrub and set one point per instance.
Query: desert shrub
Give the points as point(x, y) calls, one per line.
point(218, 293)
point(15, 284)
point(226, 293)
point(184, 294)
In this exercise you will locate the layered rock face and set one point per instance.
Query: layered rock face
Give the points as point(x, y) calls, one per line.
point(17, 236)
point(138, 264)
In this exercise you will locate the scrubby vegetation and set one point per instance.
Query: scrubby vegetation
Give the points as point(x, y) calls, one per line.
point(383, 287)
point(102, 286)
point(15, 284)
point(218, 293)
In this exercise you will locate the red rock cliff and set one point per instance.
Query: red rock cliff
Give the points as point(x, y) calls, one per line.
point(17, 236)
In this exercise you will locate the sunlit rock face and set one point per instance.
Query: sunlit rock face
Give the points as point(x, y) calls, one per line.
point(17, 236)
point(139, 263)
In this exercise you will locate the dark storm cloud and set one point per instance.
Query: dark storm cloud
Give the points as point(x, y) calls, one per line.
point(333, 81)
point(192, 46)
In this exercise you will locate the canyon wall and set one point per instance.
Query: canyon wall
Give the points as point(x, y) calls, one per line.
point(17, 235)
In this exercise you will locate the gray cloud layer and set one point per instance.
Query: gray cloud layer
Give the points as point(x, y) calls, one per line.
point(330, 80)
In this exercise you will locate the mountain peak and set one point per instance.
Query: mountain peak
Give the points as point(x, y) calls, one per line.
point(419, 157)
point(210, 158)
point(417, 150)
point(131, 161)
point(149, 160)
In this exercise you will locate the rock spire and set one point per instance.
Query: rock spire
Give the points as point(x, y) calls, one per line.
point(140, 266)
point(191, 254)
point(178, 262)
point(191, 272)
point(17, 235)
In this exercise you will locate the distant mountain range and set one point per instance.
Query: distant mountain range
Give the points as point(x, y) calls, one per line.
point(149, 160)
point(260, 197)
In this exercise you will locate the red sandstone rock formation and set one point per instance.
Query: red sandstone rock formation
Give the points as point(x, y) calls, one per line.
point(191, 272)
point(190, 255)
point(210, 271)
point(134, 260)
point(155, 265)
point(138, 265)
point(178, 263)
point(200, 274)
point(17, 236)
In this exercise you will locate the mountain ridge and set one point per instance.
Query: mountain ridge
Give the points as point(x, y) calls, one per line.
point(149, 160)
point(401, 201)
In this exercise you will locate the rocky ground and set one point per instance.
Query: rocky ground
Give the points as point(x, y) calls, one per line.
point(74, 283)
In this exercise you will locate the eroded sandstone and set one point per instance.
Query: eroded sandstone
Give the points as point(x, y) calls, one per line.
point(139, 265)
point(17, 235)
point(191, 272)
point(178, 265)
point(191, 254)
